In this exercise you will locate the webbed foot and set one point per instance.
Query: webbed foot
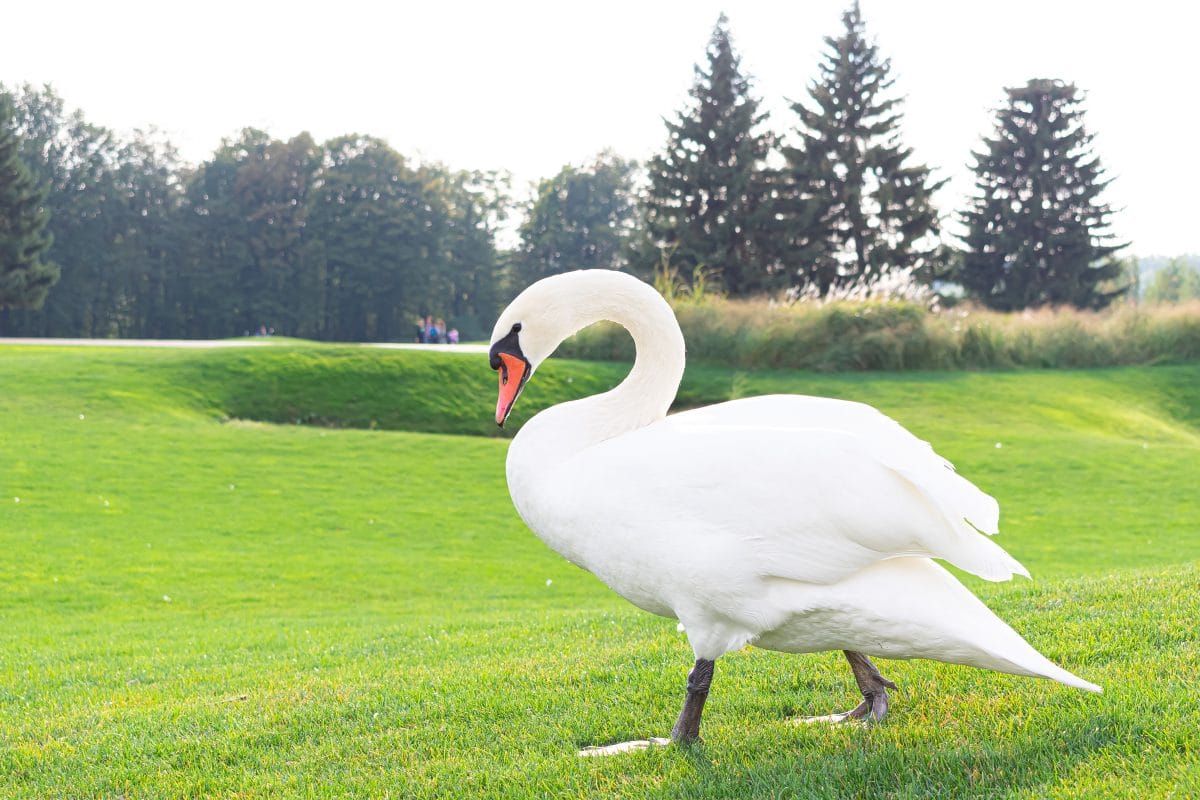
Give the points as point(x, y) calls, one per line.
point(873, 686)
point(687, 727)
point(624, 747)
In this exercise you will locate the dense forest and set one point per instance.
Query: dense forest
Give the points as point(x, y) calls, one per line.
point(114, 235)
point(344, 240)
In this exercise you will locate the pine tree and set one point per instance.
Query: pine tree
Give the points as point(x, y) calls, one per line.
point(24, 277)
point(78, 163)
point(850, 202)
point(1037, 229)
point(706, 202)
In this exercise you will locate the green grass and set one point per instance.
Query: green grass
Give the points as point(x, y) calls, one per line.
point(196, 603)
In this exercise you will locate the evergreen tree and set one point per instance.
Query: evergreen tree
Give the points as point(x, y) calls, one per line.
point(707, 196)
point(580, 219)
point(100, 199)
point(850, 204)
point(1037, 228)
point(24, 277)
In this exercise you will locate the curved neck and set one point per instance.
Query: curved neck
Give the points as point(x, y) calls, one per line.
point(647, 392)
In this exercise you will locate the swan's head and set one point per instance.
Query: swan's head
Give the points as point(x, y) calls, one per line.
point(531, 327)
point(508, 357)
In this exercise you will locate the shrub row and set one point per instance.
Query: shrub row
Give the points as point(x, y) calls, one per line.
point(891, 335)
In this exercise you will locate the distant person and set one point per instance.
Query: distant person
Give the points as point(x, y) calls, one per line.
point(452, 336)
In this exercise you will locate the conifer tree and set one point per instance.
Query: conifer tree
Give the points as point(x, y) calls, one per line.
point(1037, 230)
point(706, 203)
point(850, 202)
point(24, 277)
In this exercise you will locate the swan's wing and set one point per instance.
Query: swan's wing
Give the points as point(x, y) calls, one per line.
point(887, 440)
point(806, 504)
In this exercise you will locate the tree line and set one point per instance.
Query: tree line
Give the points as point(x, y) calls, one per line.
point(343, 240)
point(348, 240)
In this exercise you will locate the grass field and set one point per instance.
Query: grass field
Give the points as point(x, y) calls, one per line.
point(197, 602)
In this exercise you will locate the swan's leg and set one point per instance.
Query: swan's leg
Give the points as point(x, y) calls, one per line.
point(687, 727)
point(873, 686)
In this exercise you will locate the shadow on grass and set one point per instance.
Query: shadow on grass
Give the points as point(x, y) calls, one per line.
point(875, 764)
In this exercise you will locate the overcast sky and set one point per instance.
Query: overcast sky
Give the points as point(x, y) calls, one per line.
point(529, 87)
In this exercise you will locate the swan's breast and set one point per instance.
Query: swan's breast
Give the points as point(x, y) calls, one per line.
point(630, 560)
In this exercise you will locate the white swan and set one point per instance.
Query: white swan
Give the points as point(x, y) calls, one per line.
point(791, 523)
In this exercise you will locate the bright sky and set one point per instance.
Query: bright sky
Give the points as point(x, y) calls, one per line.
point(531, 86)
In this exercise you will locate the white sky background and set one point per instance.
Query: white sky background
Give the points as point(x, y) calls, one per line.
point(531, 86)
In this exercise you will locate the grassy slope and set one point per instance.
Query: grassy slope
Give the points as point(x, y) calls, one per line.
point(360, 612)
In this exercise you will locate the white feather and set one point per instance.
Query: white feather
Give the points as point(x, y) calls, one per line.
point(794, 523)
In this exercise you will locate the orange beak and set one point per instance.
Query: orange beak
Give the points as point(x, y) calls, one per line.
point(513, 373)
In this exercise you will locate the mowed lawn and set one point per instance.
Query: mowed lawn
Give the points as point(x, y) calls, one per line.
point(196, 600)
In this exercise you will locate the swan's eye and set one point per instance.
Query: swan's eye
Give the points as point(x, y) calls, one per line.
point(516, 328)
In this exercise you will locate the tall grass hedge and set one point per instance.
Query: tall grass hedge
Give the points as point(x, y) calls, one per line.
point(845, 336)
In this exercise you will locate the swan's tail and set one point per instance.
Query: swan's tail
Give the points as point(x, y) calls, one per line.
point(1036, 665)
point(940, 619)
point(1001, 648)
